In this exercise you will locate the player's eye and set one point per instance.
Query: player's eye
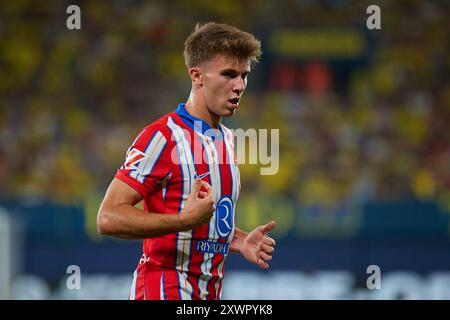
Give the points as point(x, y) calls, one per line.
point(229, 74)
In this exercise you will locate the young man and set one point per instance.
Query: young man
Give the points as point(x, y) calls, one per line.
point(183, 167)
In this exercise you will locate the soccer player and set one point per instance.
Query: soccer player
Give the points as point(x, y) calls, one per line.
point(183, 167)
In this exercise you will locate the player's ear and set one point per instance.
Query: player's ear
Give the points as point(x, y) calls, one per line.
point(196, 76)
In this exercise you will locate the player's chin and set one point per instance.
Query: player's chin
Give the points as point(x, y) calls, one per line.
point(228, 112)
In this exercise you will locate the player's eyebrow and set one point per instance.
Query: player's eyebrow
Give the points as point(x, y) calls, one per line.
point(234, 72)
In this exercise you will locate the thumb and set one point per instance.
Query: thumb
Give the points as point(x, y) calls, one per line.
point(196, 186)
point(268, 227)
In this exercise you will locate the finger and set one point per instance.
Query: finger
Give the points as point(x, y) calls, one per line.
point(202, 194)
point(262, 264)
point(264, 256)
point(267, 249)
point(196, 186)
point(269, 241)
point(268, 227)
point(210, 201)
point(206, 185)
point(209, 189)
point(212, 204)
point(211, 195)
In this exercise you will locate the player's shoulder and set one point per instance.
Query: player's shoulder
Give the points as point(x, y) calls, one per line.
point(159, 126)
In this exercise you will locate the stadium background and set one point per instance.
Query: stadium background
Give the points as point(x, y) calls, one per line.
point(363, 115)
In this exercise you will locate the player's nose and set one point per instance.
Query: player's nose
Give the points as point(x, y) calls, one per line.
point(239, 85)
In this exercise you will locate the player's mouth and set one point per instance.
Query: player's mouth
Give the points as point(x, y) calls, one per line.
point(234, 102)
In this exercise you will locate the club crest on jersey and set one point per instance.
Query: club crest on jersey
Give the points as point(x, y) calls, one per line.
point(224, 216)
point(134, 157)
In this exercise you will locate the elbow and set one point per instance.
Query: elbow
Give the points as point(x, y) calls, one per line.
point(104, 224)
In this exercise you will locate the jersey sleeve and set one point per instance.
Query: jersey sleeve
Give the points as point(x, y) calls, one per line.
point(147, 161)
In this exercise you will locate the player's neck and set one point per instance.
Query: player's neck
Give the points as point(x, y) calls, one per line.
point(201, 111)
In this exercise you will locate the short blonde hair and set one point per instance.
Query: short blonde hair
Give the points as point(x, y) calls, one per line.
point(210, 39)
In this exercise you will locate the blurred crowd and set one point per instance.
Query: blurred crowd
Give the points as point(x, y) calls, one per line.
point(72, 101)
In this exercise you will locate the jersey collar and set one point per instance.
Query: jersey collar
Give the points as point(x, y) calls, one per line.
point(198, 125)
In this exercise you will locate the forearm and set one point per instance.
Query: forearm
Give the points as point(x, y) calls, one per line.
point(238, 238)
point(127, 222)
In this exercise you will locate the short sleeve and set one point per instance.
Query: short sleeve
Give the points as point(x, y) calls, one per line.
point(146, 162)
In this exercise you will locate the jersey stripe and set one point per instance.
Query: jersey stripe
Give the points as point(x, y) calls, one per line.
point(162, 293)
point(133, 287)
point(186, 290)
point(201, 232)
point(207, 264)
point(183, 246)
point(152, 153)
point(227, 189)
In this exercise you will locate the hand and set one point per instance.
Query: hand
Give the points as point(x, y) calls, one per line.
point(257, 247)
point(199, 206)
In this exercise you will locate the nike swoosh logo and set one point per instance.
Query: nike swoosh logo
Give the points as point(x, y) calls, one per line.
point(201, 176)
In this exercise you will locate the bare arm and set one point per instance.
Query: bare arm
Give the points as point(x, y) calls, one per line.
point(118, 217)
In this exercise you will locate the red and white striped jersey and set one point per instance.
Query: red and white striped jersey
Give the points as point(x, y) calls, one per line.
point(161, 165)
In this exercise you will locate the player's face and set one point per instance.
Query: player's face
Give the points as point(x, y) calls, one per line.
point(224, 82)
